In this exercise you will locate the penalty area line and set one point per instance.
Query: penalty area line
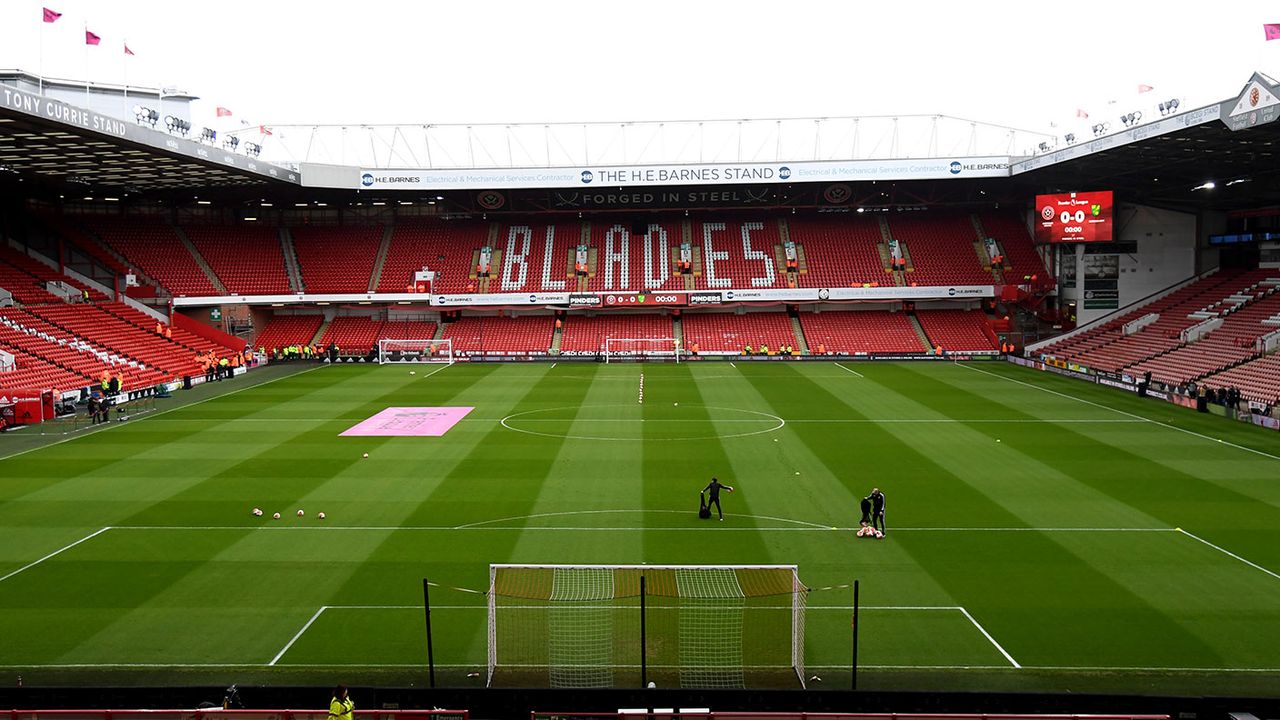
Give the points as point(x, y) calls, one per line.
point(855, 372)
point(1228, 553)
point(294, 639)
point(60, 550)
point(987, 635)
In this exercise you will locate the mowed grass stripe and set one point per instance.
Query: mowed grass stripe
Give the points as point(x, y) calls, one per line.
point(940, 554)
point(276, 478)
point(498, 476)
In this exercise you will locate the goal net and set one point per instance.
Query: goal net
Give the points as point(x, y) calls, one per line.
point(415, 351)
point(592, 626)
point(623, 349)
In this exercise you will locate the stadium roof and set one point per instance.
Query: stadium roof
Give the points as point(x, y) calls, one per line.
point(64, 145)
point(1165, 162)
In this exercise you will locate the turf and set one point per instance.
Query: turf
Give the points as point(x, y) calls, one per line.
point(1097, 541)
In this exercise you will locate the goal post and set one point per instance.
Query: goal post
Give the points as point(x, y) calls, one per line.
point(624, 349)
point(415, 351)
point(582, 626)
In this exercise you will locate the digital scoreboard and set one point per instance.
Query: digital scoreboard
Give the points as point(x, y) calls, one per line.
point(1078, 217)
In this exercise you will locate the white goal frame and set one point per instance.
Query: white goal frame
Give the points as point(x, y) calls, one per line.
point(662, 348)
point(798, 591)
point(415, 351)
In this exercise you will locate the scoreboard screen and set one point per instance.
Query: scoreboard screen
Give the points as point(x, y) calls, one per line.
point(1078, 217)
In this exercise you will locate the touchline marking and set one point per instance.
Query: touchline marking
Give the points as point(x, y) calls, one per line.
point(808, 527)
point(480, 665)
point(148, 416)
point(855, 372)
point(1127, 414)
point(632, 608)
point(64, 548)
point(987, 635)
point(289, 644)
point(433, 372)
point(1250, 563)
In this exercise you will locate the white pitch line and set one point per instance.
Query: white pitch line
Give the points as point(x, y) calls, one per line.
point(1250, 563)
point(289, 644)
point(1202, 436)
point(732, 365)
point(912, 608)
point(62, 549)
point(855, 372)
point(433, 372)
point(1055, 668)
point(577, 528)
point(987, 635)
point(553, 366)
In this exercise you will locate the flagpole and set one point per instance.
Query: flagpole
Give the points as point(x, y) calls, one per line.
point(124, 112)
point(42, 24)
point(86, 66)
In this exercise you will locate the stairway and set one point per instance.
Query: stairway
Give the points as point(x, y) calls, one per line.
point(291, 261)
point(204, 264)
point(320, 331)
point(677, 331)
point(925, 343)
point(375, 278)
point(798, 329)
point(557, 335)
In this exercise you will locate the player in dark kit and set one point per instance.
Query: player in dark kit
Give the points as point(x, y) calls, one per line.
point(713, 488)
point(877, 509)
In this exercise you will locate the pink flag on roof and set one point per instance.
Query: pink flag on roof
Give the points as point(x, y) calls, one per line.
point(51, 15)
point(1272, 30)
point(91, 39)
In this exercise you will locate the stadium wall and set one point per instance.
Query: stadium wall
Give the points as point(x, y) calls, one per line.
point(1166, 254)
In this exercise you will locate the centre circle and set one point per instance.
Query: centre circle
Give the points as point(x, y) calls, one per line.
point(647, 423)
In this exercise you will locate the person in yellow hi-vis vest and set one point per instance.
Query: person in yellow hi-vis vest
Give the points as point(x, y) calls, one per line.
point(341, 706)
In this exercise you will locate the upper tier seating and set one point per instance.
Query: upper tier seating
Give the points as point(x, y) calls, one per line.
point(860, 332)
point(941, 249)
point(337, 259)
point(445, 247)
point(956, 330)
point(586, 335)
point(156, 250)
point(731, 332)
point(528, 335)
point(840, 252)
point(248, 260)
point(1019, 251)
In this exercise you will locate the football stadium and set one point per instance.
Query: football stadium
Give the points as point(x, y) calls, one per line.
point(557, 419)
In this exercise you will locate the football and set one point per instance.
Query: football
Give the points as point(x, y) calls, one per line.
point(301, 513)
point(366, 454)
point(276, 516)
point(257, 512)
point(321, 516)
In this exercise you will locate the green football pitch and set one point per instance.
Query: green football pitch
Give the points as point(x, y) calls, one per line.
point(1044, 534)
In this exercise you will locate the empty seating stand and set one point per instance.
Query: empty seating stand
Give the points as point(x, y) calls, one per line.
point(860, 332)
point(285, 330)
point(840, 252)
point(957, 330)
point(337, 259)
point(489, 335)
point(586, 335)
point(353, 335)
point(248, 260)
point(730, 332)
point(155, 249)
